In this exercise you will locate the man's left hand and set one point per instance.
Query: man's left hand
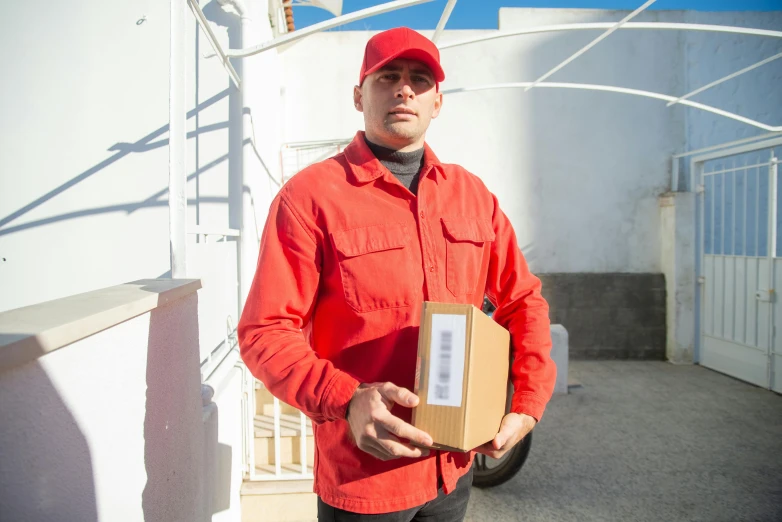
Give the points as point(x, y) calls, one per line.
point(514, 427)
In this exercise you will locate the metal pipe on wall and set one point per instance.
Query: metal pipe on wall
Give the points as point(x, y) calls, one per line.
point(243, 208)
point(772, 256)
point(238, 152)
point(248, 252)
point(177, 141)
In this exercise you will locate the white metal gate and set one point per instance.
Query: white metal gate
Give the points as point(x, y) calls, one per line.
point(740, 262)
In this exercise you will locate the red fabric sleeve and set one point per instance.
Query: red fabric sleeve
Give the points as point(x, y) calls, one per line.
point(279, 305)
point(521, 309)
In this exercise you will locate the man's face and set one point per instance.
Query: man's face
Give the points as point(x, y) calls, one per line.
point(398, 102)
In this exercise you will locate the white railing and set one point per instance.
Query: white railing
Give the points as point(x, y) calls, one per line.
point(279, 473)
point(219, 354)
point(216, 360)
point(248, 431)
point(230, 341)
point(204, 232)
point(296, 156)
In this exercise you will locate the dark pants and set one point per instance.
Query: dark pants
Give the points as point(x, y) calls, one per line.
point(444, 508)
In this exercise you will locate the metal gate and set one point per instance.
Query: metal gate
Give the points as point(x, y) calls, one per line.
point(739, 268)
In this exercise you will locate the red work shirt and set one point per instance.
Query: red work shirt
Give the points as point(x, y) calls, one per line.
point(347, 258)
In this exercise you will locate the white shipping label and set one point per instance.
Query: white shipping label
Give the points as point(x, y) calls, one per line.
point(446, 360)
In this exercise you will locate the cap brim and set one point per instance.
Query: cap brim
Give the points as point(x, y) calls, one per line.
point(418, 55)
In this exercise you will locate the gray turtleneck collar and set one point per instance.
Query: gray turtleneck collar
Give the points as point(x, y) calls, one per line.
point(406, 166)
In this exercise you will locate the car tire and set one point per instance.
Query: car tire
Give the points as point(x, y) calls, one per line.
point(487, 476)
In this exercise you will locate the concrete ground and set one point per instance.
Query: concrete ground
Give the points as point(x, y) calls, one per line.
point(648, 441)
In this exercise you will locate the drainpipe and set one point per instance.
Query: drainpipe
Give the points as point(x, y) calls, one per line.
point(238, 199)
point(243, 209)
point(177, 141)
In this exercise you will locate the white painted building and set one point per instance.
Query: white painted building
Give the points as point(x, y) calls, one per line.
point(120, 430)
point(117, 409)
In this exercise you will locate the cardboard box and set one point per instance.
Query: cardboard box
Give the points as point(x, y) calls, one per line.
point(461, 376)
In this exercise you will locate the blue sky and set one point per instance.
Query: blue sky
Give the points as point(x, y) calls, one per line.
point(482, 14)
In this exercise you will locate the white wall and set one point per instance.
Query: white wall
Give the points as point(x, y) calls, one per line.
point(108, 428)
point(84, 205)
point(214, 263)
point(577, 172)
point(79, 104)
point(84, 142)
point(227, 383)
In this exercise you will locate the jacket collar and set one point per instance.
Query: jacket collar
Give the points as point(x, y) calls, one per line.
point(365, 167)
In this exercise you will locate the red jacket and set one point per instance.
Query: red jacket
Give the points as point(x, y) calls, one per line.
point(347, 257)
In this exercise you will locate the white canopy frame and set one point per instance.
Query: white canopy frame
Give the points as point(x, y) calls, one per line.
point(621, 90)
point(177, 111)
point(590, 26)
point(608, 27)
point(332, 6)
point(322, 26)
point(672, 100)
point(726, 78)
point(443, 20)
point(592, 43)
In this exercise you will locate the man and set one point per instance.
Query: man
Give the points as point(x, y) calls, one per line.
point(352, 248)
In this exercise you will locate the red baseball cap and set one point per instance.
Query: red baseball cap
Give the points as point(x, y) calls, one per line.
point(401, 42)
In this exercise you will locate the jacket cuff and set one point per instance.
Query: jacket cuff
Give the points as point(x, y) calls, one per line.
point(337, 396)
point(529, 403)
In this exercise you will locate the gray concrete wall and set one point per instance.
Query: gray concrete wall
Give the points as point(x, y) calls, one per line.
point(609, 316)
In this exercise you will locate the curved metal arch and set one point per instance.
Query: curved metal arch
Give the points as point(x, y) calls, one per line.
point(621, 90)
point(608, 25)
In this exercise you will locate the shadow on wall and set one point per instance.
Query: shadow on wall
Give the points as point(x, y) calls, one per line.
point(151, 142)
point(122, 151)
point(173, 428)
point(221, 498)
point(46, 468)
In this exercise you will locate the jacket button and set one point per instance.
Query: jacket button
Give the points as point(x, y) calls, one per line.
point(422, 213)
point(431, 268)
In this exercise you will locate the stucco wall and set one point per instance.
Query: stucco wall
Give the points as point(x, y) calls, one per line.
point(108, 428)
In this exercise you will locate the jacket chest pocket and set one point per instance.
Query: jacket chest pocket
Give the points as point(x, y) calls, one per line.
point(376, 266)
point(465, 239)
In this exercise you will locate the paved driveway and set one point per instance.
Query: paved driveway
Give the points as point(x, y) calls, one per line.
point(648, 441)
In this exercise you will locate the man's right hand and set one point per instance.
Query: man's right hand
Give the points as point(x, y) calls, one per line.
point(376, 431)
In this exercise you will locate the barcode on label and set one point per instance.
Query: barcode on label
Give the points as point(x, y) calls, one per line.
point(446, 354)
point(444, 374)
